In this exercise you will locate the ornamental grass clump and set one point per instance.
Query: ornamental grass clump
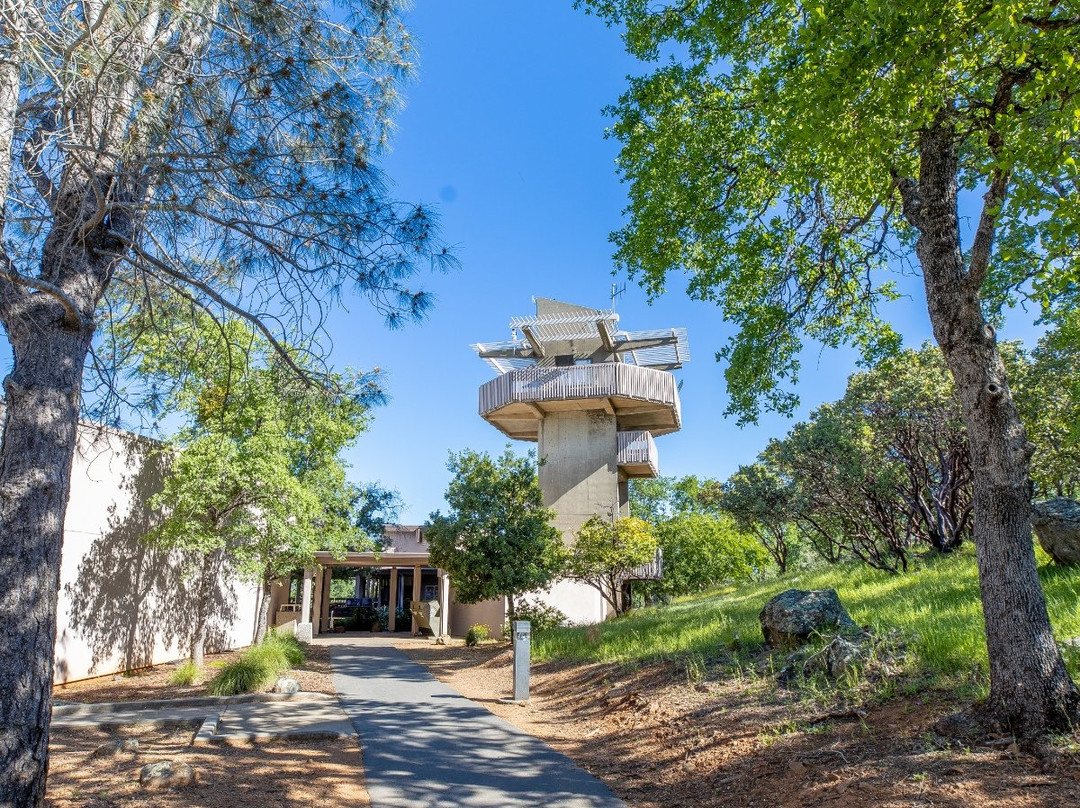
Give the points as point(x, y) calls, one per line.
point(185, 674)
point(258, 666)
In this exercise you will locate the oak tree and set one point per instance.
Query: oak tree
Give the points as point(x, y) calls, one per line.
point(496, 539)
point(781, 154)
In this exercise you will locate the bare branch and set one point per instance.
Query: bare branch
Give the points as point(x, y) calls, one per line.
point(73, 318)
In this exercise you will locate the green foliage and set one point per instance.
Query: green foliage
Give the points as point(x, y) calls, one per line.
point(703, 551)
point(935, 609)
point(256, 470)
point(292, 650)
point(605, 553)
point(702, 547)
point(769, 161)
point(497, 539)
point(258, 666)
point(185, 675)
point(245, 675)
point(1046, 384)
point(762, 502)
point(476, 634)
point(541, 616)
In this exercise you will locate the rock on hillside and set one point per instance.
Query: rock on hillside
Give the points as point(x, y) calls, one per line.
point(789, 619)
point(1057, 526)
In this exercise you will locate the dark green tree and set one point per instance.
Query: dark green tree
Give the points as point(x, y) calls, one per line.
point(788, 152)
point(496, 539)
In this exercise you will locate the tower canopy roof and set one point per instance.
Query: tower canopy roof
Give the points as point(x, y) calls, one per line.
point(561, 331)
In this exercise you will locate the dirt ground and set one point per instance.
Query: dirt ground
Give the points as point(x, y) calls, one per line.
point(284, 775)
point(153, 683)
point(659, 739)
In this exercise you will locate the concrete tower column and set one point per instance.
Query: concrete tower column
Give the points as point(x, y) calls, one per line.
point(580, 479)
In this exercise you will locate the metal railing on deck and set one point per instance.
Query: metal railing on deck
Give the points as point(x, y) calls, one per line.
point(606, 380)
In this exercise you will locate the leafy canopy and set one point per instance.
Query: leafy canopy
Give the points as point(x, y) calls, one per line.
point(256, 469)
point(767, 157)
point(605, 553)
point(497, 539)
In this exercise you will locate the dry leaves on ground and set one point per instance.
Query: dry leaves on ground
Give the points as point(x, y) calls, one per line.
point(658, 739)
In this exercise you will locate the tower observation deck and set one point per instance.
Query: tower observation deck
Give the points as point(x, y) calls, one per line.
point(594, 397)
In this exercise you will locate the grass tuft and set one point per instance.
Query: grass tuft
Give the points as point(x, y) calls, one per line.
point(258, 666)
point(185, 674)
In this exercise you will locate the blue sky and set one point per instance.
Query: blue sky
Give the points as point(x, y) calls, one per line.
point(503, 132)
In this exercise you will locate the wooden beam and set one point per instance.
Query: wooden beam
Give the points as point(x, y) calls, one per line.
point(605, 336)
point(534, 341)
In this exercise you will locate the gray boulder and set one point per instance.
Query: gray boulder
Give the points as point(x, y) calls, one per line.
point(166, 774)
point(286, 685)
point(1057, 527)
point(790, 618)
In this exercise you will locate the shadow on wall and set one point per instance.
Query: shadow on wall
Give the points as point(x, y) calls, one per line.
point(128, 597)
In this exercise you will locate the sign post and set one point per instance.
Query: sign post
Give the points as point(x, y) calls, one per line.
point(522, 651)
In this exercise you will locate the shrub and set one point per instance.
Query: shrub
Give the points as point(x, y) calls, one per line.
point(540, 615)
point(246, 675)
point(185, 675)
point(291, 647)
point(258, 665)
point(476, 634)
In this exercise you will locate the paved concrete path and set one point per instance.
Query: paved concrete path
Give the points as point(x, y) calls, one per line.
point(426, 745)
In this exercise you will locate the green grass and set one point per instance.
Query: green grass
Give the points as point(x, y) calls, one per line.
point(185, 674)
point(935, 608)
point(258, 666)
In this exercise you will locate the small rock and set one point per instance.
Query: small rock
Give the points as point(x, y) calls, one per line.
point(440, 640)
point(796, 766)
point(286, 685)
point(114, 748)
point(166, 774)
point(842, 656)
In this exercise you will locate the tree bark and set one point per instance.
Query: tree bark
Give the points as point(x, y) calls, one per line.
point(1030, 689)
point(262, 619)
point(39, 434)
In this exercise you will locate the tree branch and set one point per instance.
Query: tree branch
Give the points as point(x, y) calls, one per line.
point(73, 318)
point(181, 277)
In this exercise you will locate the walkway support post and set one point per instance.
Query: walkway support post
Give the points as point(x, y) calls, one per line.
point(392, 616)
point(444, 603)
point(303, 629)
point(415, 598)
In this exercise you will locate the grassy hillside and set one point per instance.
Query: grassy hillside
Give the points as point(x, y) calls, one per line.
point(935, 607)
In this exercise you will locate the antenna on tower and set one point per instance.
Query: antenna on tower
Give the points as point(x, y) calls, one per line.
point(616, 293)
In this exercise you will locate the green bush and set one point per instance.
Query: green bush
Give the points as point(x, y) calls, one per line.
point(258, 665)
point(290, 646)
point(476, 634)
point(185, 675)
point(541, 616)
point(246, 675)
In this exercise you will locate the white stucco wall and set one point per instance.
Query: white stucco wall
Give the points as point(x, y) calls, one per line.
point(122, 604)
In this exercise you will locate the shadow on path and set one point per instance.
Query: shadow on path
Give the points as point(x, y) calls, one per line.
point(426, 745)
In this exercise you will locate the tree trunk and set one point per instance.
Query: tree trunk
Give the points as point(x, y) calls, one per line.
point(262, 618)
point(39, 433)
point(1030, 689)
point(209, 572)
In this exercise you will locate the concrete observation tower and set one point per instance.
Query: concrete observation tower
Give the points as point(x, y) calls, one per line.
point(594, 397)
